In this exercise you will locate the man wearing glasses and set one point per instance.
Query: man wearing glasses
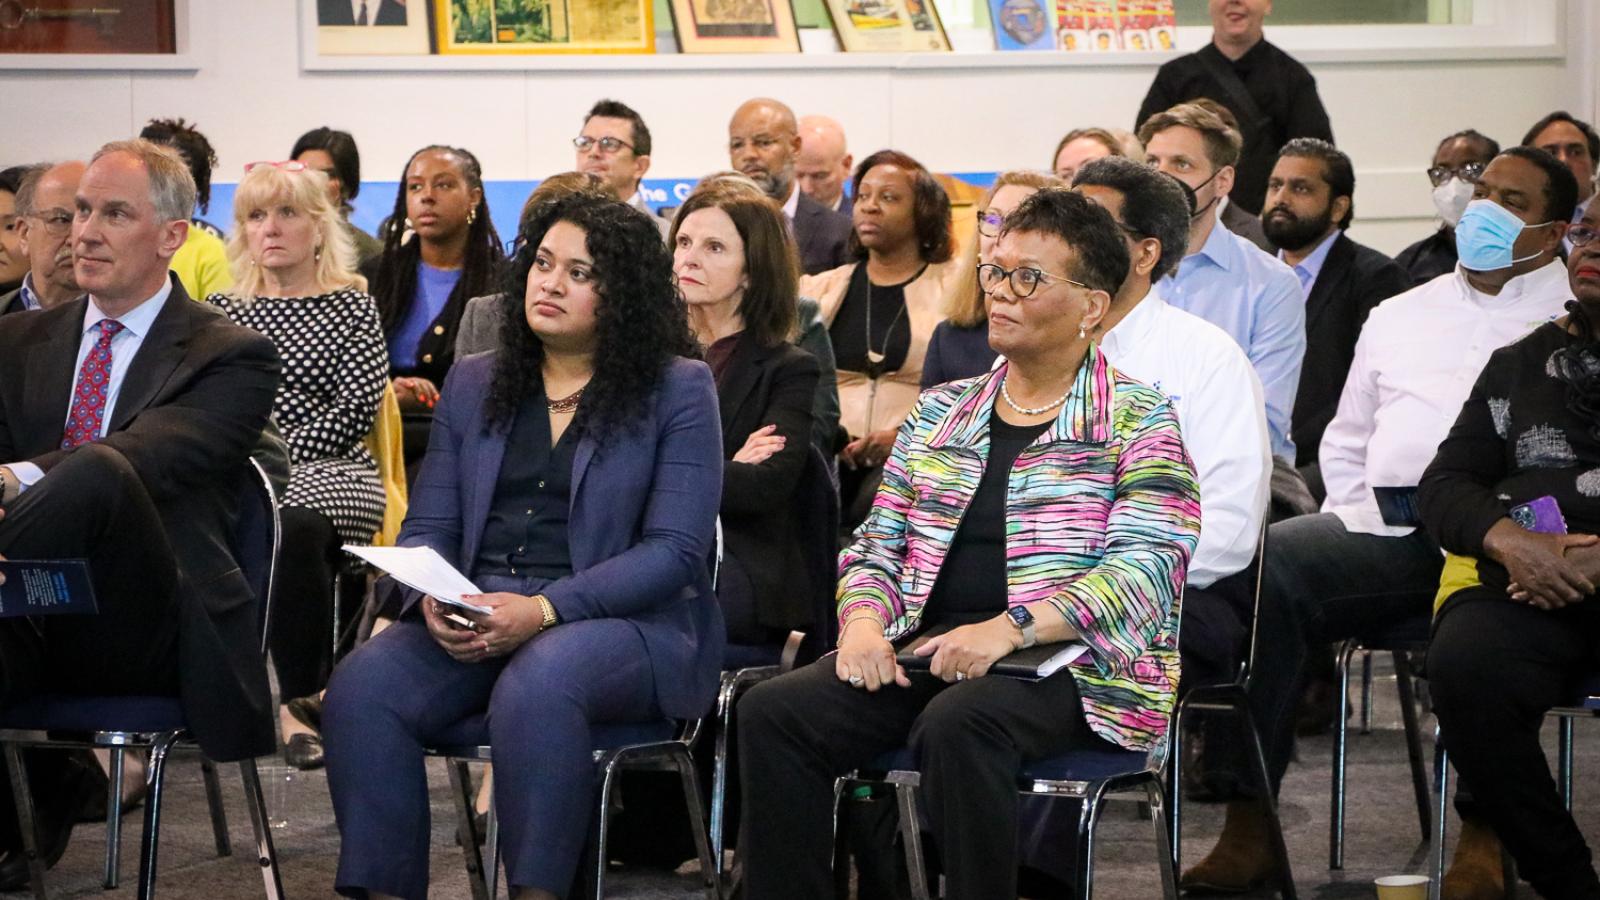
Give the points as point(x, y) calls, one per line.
point(763, 142)
point(614, 146)
point(1457, 165)
point(44, 213)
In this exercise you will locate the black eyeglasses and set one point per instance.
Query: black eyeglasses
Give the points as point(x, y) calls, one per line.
point(608, 145)
point(1024, 279)
point(1470, 173)
point(1579, 235)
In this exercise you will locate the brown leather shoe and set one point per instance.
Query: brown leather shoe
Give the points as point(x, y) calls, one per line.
point(1475, 871)
point(1241, 861)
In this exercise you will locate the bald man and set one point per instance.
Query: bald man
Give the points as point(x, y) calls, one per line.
point(44, 225)
point(763, 141)
point(824, 163)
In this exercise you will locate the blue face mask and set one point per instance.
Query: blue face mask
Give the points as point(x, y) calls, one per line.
point(1485, 235)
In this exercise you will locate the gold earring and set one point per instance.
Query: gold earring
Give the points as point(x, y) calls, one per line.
point(472, 216)
point(1081, 332)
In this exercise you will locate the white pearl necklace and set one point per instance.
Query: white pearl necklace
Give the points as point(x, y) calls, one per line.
point(1037, 410)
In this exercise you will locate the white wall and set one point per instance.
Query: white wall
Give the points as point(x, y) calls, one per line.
point(252, 99)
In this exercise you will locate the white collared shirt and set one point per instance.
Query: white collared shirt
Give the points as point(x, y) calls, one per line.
point(793, 203)
point(1222, 413)
point(1416, 361)
point(372, 11)
point(124, 347)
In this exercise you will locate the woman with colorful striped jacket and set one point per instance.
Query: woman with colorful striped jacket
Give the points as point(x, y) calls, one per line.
point(1050, 500)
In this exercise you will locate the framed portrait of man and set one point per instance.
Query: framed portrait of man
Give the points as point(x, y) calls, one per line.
point(735, 26)
point(545, 26)
point(887, 26)
point(369, 27)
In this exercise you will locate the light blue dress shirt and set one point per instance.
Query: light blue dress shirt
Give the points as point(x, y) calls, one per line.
point(1309, 268)
point(124, 347)
point(1256, 299)
point(30, 298)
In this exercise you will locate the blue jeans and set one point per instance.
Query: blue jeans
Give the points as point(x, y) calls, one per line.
point(390, 697)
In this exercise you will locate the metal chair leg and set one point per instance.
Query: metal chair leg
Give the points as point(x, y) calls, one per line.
point(1175, 786)
point(905, 795)
point(1441, 783)
point(113, 869)
point(1169, 878)
point(27, 820)
point(1088, 815)
point(1341, 735)
point(603, 827)
point(466, 829)
point(1366, 692)
point(266, 853)
point(491, 843)
point(1408, 717)
point(149, 842)
point(719, 770)
point(697, 818)
point(219, 813)
point(1564, 758)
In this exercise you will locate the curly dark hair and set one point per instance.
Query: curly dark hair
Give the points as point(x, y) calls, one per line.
point(394, 282)
point(196, 150)
point(641, 321)
point(930, 206)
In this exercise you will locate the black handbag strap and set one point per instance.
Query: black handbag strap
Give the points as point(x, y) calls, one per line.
point(1239, 97)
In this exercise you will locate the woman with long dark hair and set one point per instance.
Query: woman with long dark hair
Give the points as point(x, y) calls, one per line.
point(440, 249)
point(574, 475)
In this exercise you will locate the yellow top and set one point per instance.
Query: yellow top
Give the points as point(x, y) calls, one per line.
point(1460, 572)
point(202, 264)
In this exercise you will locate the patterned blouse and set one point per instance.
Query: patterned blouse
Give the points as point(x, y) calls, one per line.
point(1102, 517)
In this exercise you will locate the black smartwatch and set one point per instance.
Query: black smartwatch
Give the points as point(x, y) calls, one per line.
point(1023, 620)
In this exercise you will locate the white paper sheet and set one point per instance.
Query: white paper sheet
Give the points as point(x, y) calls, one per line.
point(423, 569)
point(1061, 659)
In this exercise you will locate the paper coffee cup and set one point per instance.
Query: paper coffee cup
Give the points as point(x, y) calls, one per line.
point(1402, 887)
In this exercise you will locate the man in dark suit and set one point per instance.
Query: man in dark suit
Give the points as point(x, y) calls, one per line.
point(1269, 92)
point(824, 163)
point(361, 12)
point(1310, 201)
point(126, 421)
point(44, 226)
point(763, 140)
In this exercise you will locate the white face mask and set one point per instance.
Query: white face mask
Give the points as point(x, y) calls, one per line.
point(1451, 199)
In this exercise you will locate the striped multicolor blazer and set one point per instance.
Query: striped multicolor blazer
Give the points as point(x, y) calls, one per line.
point(1103, 513)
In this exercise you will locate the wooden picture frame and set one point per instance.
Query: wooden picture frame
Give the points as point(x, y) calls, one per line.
point(888, 26)
point(735, 26)
point(396, 27)
point(540, 27)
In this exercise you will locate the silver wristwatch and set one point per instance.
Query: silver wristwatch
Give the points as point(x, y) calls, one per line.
point(1023, 620)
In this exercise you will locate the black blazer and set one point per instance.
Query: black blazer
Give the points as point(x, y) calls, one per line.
point(822, 235)
point(1236, 220)
point(192, 406)
point(768, 386)
point(338, 12)
point(1353, 280)
point(11, 302)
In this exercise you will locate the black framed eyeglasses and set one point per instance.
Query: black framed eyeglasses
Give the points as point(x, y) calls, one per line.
point(1470, 173)
point(989, 222)
point(1024, 279)
point(608, 145)
point(1580, 235)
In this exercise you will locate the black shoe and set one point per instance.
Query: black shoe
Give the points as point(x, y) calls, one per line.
point(304, 752)
point(307, 711)
point(57, 798)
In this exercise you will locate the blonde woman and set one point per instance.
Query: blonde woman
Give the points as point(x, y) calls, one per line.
point(295, 282)
point(960, 347)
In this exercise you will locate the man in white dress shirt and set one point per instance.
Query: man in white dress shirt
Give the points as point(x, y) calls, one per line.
point(1347, 571)
point(1217, 396)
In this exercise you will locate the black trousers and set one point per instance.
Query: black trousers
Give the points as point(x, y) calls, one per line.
point(302, 625)
point(93, 506)
point(797, 733)
point(1323, 583)
point(1495, 667)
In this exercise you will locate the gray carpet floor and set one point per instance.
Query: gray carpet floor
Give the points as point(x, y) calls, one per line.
point(1382, 836)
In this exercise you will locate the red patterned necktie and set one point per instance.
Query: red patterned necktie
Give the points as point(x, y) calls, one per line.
point(89, 398)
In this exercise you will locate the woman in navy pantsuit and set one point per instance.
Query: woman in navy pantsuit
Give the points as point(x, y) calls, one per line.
point(574, 475)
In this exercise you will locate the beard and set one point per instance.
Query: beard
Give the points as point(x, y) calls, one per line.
point(1289, 232)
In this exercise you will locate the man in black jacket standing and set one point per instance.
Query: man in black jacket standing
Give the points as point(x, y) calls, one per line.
point(1272, 95)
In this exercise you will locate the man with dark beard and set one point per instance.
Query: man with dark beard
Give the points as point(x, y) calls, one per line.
point(1310, 200)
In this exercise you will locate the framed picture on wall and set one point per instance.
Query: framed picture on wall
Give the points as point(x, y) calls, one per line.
point(1023, 24)
point(512, 27)
point(370, 27)
point(735, 26)
point(887, 26)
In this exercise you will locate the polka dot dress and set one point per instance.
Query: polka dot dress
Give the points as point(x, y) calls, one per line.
point(335, 369)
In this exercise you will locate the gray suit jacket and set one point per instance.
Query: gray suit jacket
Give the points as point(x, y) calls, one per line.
point(480, 325)
point(1246, 226)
